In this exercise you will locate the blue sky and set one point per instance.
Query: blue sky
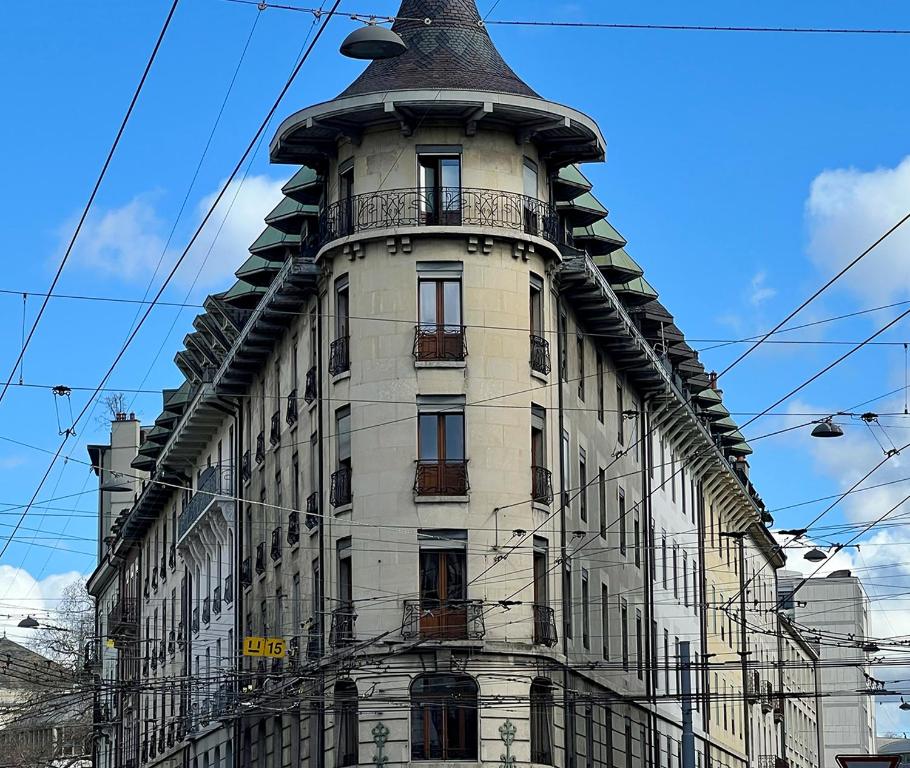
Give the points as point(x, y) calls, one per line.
point(744, 169)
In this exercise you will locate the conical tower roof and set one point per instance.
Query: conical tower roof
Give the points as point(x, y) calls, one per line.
point(454, 51)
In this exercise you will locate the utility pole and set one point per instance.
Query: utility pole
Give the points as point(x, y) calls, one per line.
point(688, 734)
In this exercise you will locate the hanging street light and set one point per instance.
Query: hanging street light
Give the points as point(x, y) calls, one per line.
point(815, 556)
point(28, 623)
point(828, 428)
point(373, 42)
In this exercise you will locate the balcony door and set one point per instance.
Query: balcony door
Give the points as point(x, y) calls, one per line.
point(441, 334)
point(443, 592)
point(441, 455)
point(346, 202)
point(440, 189)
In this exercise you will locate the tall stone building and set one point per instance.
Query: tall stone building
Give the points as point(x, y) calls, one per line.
point(443, 440)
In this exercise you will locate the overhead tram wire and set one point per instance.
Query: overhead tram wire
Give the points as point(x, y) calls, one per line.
point(225, 185)
point(91, 199)
point(604, 25)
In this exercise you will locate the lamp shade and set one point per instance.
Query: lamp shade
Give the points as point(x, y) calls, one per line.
point(28, 623)
point(827, 428)
point(815, 556)
point(373, 42)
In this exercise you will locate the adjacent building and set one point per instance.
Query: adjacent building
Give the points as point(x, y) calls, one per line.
point(835, 611)
point(442, 439)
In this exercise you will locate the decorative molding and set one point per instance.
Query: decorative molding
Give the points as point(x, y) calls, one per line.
point(476, 244)
point(380, 736)
point(507, 733)
point(353, 250)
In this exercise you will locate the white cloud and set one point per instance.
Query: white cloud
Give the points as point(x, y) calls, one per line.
point(11, 461)
point(848, 210)
point(127, 242)
point(759, 291)
point(26, 596)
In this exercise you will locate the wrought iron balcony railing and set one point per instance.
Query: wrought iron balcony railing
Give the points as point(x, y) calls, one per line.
point(229, 588)
point(440, 343)
point(216, 600)
point(290, 415)
point(275, 428)
point(443, 620)
point(340, 356)
point(310, 390)
point(215, 483)
point(545, 626)
point(260, 447)
point(123, 617)
point(541, 485)
point(195, 621)
point(275, 551)
point(341, 487)
point(206, 610)
point(162, 567)
point(343, 620)
point(441, 206)
point(246, 466)
point(153, 656)
point(260, 558)
point(172, 642)
point(540, 355)
point(246, 573)
point(293, 527)
point(312, 511)
point(441, 478)
point(155, 576)
point(172, 557)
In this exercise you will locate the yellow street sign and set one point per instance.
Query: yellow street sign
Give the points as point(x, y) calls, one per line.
point(269, 647)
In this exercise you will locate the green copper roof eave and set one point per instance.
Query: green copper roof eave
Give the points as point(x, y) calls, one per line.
point(583, 210)
point(180, 398)
point(288, 213)
point(709, 395)
point(158, 434)
point(725, 424)
point(571, 182)
point(617, 266)
point(143, 463)
point(274, 238)
point(259, 271)
point(305, 186)
point(244, 294)
point(638, 288)
point(740, 449)
point(717, 410)
point(600, 237)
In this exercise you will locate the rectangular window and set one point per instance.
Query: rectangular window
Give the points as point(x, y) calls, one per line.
point(536, 308)
point(622, 522)
point(624, 629)
point(564, 343)
point(441, 466)
point(673, 475)
point(675, 571)
point(567, 600)
point(639, 645)
point(602, 501)
point(585, 611)
point(443, 591)
point(667, 661)
point(663, 547)
point(620, 418)
point(346, 199)
point(678, 667)
point(343, 436)
point(685, 573)
point(580, 352)
point(636, 532)
point(440, 334)
point(605, 621)
point(340, 353)
point(440, 198)
point(582, 485)
point(600, 388)
point(663, 463)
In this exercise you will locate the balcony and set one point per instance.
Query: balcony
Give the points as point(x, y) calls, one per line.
point(172, 642)
point(146, 590)
point(442, 206)
point(155, 577)
point(195, 620)
point(340, 356)
point(216, 600)
point(341, 487)
point(260, 447)
point(246, 467)
point(291, 415)
point(435, 620)
point(313, 650)
point(545, 626)
point(181, 635)
point(312, 511)
point(246, 573)
point(206, 610)
point(541, 485)
point(260, 558)
point(123, 618)
point(540, 355)
point(294, 652)
point(162, 653)
point(440, 343)
point(309, 392)
point(770, 761)
point(229, 588)
point(172, 557)
point(275, 429)
point(153, 656)
point(162, 567)
point(293, 527)
point(275, 551)
point(215, 487)
point(343, 620)
point(441, 478)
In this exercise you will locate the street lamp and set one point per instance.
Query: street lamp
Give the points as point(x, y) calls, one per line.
point(28, 623)
point(373, 42)
point(815, 555)
point(828, 428)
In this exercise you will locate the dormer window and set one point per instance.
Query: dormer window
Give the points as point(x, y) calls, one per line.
point(440, 187)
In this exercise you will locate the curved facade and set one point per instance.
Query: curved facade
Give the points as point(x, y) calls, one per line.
point(449, 455)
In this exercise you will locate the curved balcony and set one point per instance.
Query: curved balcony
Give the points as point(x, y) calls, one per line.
point(440, 207)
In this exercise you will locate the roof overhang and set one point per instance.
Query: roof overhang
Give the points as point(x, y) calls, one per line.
point(563, 135)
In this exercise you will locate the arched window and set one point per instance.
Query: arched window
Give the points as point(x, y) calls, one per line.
point(346, 727)
point(542, 722)
point(444, 718)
